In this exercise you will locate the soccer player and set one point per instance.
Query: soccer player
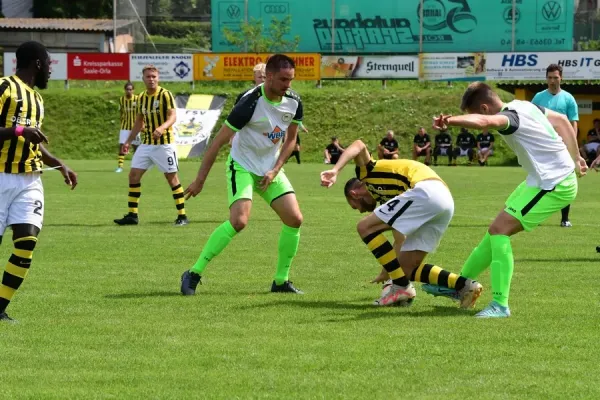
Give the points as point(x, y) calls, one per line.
point(156, 115)
point(127, 109)
point(388, 147)
point(465, 144)
point(546, 147)
point(417, 206)
point(485, 146)
point(422, 146)
point(22, 156)
point(262, 118)
point(443, 147)
point(561, 101)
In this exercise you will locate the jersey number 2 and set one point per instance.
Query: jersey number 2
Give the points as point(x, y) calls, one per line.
point(38, 207)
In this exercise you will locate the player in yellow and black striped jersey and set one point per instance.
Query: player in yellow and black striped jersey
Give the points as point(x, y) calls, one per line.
point(21, 161)
point(417, 206)
point(156, 114)
point(128, 113)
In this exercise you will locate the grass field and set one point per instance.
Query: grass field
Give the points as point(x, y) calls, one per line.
point(101, 315)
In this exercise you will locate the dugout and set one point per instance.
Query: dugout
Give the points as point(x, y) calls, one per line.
point(587, 96)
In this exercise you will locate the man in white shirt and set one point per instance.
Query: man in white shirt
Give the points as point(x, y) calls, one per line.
point(260, 121)
point(546, 147)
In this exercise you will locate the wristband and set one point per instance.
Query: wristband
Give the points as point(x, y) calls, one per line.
point(19, 130)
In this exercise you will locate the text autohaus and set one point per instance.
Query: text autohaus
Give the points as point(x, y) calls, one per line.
point(378, 66)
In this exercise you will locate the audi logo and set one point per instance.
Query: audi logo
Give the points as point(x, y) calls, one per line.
point(275, 9)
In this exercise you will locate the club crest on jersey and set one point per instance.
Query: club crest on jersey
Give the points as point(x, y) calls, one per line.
point(276, 135)
point(287, 117)
point(156, 104)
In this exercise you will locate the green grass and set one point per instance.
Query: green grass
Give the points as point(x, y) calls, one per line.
point(83, 122)
point(101, 315)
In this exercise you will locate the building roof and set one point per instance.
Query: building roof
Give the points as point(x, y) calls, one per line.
point(61, 24)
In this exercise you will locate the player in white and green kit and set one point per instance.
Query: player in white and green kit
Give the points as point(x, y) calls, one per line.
point(546, 147)
point(260, 121)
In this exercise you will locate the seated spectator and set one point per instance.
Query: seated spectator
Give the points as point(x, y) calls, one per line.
point(296, 151)
point(589, 150)
point(333, 151)
point(465, 145)
point(422, 146)
point(388, 147)
point(443, 147)
point(485, 146)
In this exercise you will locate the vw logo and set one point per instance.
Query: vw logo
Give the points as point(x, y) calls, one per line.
point(275, 9)
point(233, 11)
point(551, 11)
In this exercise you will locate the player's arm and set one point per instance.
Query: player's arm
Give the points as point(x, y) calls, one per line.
point(50, 160)
point(357, 151)
point(427, 145)
point(138, 125)
point(476, 121)
point(563, 127)
point(288, 146)
point(573, 114)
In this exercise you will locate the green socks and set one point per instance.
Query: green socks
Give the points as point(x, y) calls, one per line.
point(217, 241)
point(288, 247)
point(502, 268)
point(479, 260)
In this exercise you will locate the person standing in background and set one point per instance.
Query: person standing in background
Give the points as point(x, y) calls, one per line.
point(561, 101)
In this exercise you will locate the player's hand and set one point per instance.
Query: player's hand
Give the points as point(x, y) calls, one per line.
point(34, 135)
point(267, 179)
point(157, 133)
point(441, 123)
point(69, 175)
point(581, 167)
point(382, 277)
point(194, 189)
point(328, 178)
point(125, 148)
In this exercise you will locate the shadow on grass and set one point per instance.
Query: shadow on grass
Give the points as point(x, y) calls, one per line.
point(561, 260)
point(143, 295)
point(110, 223)
point(470, 225)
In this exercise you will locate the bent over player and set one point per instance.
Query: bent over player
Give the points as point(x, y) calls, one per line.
point(156, 115)
point(262, 118)
point(546, 147)
point(417, 206)
point(21, 162)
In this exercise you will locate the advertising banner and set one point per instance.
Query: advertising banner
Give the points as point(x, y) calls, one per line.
point(452, 66)
point(394, 26)
point(171, 67)
point(58, 68)
point(197, 116)
point(98, 66)
point(369, 67)
point(532, 66)
point(238, 67)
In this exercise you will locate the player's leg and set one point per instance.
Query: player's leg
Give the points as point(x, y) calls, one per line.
point(123, 135)
point(564, 220)
point(436, 153)
point(165, 158)
point(240, 184)
point(139, 165)
point(282, 199)
point(415, 155)
point(455, 154)
point(178, 197)
point(427, 156)
point(380, 153)
point(449, 150)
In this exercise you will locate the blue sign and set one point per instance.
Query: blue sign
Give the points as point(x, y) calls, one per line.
point(393, 25)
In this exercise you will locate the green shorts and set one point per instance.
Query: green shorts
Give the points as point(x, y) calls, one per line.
point(532, 205)
point(242, 183)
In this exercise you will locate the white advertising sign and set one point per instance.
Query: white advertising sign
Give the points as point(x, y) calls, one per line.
point(171, 67)
point(58, 68)
point(532, 66)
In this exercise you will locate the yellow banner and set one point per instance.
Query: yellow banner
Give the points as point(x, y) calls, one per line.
point(238, 67)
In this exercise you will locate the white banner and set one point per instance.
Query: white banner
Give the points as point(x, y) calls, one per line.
point(532, 66)
point(194, 126)
point(585, 106)
point(58, 68)
point(452, 66)
point(370, 67)
point(171, 67)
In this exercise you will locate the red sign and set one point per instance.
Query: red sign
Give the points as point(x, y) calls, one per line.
point(101, 66)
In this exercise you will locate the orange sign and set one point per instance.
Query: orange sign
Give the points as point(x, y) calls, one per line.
point(238, 67)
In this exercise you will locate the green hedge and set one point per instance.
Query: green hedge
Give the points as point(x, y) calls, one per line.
point(180, 29)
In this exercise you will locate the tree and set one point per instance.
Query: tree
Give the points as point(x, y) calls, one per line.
point(72, 9)
point(253, 38)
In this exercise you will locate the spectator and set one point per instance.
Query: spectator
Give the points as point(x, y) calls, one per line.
point(589, 150)
point(388, 147)
point(443, 147)
point(422, 146)
point(485, 146)
point(465, 145)
point(333, 151)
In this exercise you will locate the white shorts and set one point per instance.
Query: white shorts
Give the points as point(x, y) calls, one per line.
point(21, 200)
point(593, 146)
point(422, 214)
point(161, 155)
point(124, 134)
point(463, 152)
point(444, 151)
point(486, 148)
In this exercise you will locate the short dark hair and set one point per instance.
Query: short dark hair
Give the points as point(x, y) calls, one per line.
point(128, 84)
point(554, 67)
point(279, 61)
point(333, 138)
point(477, 93)
point(351, 184)
point(29, 52)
